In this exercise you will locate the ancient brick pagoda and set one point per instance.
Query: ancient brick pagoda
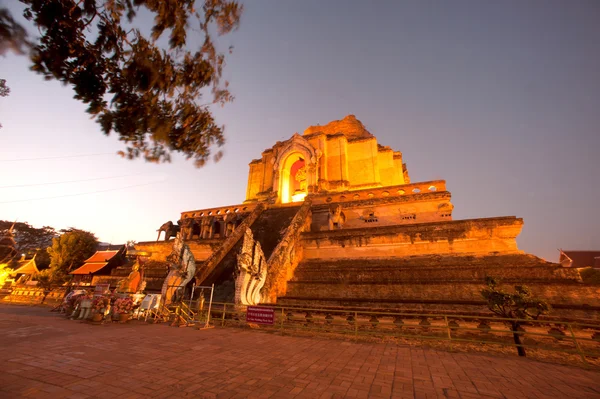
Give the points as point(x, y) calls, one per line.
point(332, 219)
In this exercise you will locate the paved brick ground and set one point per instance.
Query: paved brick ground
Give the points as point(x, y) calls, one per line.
point(46, 356)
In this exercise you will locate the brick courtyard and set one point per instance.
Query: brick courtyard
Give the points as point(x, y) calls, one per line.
point(43, 355)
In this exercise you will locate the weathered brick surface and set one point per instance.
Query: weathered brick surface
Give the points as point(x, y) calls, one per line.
point(270, 225)
point(285, 257)
point(436, 283)
point(435, 267)
point(521, 268)
point(465, 237)
point(201, 249)
point(459, 291)
point(44, 356)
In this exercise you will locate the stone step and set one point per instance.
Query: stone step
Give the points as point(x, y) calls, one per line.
point(431, 262)
point(369, 304)
point(270, 225)
point(433, 291)
point(400, 266)
point(390, 275)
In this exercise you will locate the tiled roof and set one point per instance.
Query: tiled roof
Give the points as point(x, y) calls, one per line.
point(102, 256)
point(27, 267)
point(583, 258)
point(90, 267)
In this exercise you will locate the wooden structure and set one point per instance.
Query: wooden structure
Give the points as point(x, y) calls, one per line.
point(100, 264)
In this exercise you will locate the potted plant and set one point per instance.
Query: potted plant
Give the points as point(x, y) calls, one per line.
point(98, 306)
point(122, 307)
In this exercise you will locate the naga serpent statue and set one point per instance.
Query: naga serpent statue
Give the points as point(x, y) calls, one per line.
point(251, 271)
point(182, 268)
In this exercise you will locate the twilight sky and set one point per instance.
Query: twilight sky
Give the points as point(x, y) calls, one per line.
point(500, 99)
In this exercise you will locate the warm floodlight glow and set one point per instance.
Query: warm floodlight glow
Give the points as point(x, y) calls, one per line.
point(298, 197)
point(292, 180)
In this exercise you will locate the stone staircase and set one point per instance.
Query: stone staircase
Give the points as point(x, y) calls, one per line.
point(432, 283)
point(267, 229)
point(428, 269)
point(211, 268)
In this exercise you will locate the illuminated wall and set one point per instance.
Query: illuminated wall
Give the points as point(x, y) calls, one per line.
point(340, 156)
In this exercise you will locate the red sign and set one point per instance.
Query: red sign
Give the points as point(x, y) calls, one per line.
point(255, 314)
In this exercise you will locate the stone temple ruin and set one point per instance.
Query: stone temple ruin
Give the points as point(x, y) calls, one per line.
point(331, 218)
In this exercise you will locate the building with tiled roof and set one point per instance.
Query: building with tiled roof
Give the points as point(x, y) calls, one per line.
point(579, 259)
point(99, 264)
point(24, 270)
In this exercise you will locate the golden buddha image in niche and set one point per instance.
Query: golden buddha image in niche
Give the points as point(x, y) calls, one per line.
point(297, 180)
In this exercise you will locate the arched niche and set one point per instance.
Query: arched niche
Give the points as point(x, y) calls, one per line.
point(297, 154)
point(291, 188)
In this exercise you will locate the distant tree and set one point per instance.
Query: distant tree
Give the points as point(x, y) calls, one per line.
point(42, 258)
point(4, 90)
point(146, 93)
point(31, 240)
point(518, 305)
point(69, 251)
point(47, 281)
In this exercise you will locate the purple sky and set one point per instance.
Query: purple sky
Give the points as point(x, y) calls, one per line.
point(500, 99)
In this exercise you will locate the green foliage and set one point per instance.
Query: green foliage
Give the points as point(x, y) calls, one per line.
point(42, 258)
point(154, 91)
point(4, 89)
point(45, 279)
point(48, 280)
point(70, 250)
point(519, 305)
point(590, 275)
point(13, 36)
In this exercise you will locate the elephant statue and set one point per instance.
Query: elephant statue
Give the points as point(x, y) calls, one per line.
point(336, 218)
point(207, 227)
point(170, 230)
point(232, 220)
point(187, 228)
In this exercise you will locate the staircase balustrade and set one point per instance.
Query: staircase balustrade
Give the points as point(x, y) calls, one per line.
point(204, 269)
point(286, 255)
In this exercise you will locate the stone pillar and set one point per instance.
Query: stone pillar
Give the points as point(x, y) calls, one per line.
point(312, 177)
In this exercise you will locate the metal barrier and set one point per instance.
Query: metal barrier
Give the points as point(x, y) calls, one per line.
point(573, 338)
point(186, 311)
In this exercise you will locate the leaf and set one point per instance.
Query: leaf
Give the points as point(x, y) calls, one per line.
point(154, 90)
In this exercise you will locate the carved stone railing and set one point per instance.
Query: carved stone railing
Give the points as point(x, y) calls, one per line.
point(204, 269)
point(222, 210)
point(287, 255)
point(381, 192)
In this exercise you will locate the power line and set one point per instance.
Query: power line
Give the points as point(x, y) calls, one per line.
point(57, 157)
point(74, 195)
point(70, 181)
